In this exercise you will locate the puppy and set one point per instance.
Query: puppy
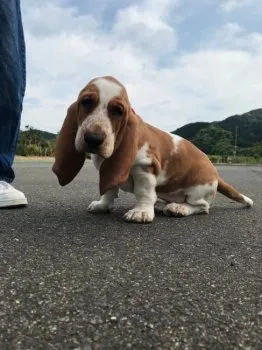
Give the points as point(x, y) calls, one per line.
point(164, 171)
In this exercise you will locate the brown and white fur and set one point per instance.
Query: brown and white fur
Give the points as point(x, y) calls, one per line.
point(164, 171)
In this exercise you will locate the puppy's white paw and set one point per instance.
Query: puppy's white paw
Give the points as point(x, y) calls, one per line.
point(139, 216)
point(99, 207)
point(177, 210)
point(181, 210)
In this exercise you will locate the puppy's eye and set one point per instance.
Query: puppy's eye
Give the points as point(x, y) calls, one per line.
point(88, 102)
point(117, 111)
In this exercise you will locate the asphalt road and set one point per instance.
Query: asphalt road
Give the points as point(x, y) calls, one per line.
point(75, 280)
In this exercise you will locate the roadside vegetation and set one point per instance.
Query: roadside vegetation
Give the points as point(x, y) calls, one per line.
point(235, 140)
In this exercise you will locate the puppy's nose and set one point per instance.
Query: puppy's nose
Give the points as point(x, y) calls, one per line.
point(93, 139)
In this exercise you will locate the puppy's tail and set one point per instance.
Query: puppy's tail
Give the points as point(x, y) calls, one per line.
point(230, 192)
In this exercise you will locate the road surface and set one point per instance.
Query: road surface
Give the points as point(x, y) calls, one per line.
point(75, 280)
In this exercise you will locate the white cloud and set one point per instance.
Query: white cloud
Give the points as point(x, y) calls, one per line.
point(57, 20)
point(66, 48)
point(231, 5)
point(234, 37)
point(146, 27)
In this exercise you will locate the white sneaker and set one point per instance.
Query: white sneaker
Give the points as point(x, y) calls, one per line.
point(10, 197)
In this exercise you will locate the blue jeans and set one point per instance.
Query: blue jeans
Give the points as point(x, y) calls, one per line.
point(12, 83)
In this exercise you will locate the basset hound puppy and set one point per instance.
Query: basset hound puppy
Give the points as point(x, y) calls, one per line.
point(164, 171)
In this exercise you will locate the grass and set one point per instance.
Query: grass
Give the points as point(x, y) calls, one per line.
point(243, 160)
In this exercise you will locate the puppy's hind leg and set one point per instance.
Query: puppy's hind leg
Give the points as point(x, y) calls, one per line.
point(197, 201)
point(186, 209)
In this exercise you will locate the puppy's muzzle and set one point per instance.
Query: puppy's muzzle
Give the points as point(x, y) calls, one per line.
point(94, 140)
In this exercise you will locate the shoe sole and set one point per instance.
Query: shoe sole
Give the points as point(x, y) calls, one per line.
point(13, 203)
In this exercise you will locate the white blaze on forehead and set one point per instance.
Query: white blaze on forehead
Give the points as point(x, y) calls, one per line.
point(99, 117)
point(107, 90)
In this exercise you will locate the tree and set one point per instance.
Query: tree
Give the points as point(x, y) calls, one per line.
point(33, 142)
point(214, 138)
point(222, 148)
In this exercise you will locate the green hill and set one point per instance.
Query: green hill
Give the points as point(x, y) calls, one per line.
point(34, 142)
point(219, 137)
point(40, 134)
point(249, 127)
point(45, 134)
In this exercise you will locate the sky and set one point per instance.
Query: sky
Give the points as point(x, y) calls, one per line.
point(181, 61)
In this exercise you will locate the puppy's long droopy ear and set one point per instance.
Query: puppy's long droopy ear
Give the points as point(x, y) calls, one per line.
point(115, 170)
point(68, 161)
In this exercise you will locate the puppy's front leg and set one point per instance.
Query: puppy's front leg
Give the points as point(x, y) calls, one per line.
point(144, 190)
point(106, 202)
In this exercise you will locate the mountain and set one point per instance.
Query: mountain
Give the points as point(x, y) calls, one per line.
point(190, 130)
point(34, 142)
point(218, 137)
point(45, 135)
point(249, 127)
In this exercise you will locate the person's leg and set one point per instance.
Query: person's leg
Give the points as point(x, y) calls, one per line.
point(12, 90)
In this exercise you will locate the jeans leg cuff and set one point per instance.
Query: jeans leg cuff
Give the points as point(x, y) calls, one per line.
point(6, 179)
